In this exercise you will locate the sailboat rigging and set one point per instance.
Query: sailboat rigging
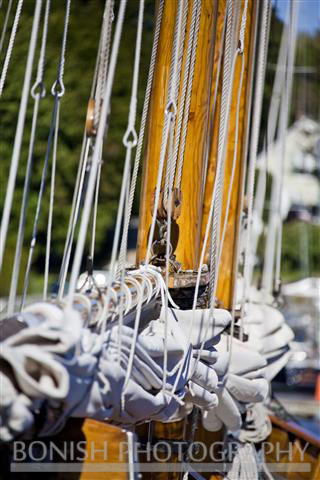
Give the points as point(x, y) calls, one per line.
point(180, 348)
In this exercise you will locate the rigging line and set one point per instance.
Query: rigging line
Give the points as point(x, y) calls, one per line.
point(256, 120)
point(108, 17)
point(21, 229)
point(51, 204)
point(170, 172)
point(172, 158)
point(126, 222)
point(10, 45)
point(238, 248)
point(74, 215)
point(57, 91)
point(229, 199)
point(203, 250)
point(169, 113)
point(234, 162)
point(19, 132)
point(214, 104)
point(209, 221)
point(104, 52)
point(129, 140)
point(122, 278)
point(187, 86)
point(273, 115)
point(95, 159)
point(168, 252)
point(78, 191)
point(58, 86)
point(223, 126)
point(5, 25)
point(37, 92)
point(95, 211)
point(39, 202)
point(239, 51)
point(284, 118)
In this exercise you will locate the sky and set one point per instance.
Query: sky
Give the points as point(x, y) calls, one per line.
point(308, 13)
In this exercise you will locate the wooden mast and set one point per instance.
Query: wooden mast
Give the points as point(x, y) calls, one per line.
point(196, 196)
point(190, 219)
point(228, 267)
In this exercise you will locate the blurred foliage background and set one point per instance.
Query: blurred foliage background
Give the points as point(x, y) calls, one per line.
point(83, 37)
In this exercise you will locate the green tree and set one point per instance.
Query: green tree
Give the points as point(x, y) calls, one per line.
point(83, 38)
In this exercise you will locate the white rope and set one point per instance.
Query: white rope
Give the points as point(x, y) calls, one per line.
point(108, 17)
point(173, 152)
point(209, 221)
point(58, 86)
point(95, 211)
point(76, 200)
point(278, 85)
point(37, 96)
point(57, 91)
point(19, 131)
point(244, 465)
point(5, 25)
point(223, 126)
point(84, 156)
point(234, 161)
point(129, 141)
point(239, 51)
point(104, 52)
point(187, 87)
point(170, 112)
point(228, 12)
point(51, 204)
point(126, 222)
point(95, 159)
point(257, 108)
point(10, 46)
point(284, 118)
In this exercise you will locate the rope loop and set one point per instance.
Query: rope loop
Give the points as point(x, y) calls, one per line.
point(38, 89)
point(171, 108)
point(130, 138)
point(58, 88)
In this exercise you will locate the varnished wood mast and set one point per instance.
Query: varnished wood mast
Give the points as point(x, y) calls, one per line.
point(195, 205)
point(228, 266)
point(189, 221)
point(196, 196)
